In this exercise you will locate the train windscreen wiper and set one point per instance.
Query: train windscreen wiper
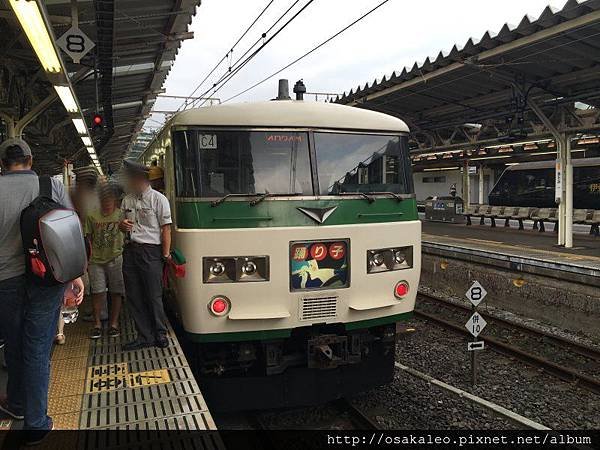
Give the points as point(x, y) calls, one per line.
point(228, 196)
point(364, 195)
point(265, 195)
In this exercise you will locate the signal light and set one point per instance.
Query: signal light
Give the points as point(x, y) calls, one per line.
point(401, 289)
point(219, 305)
point(97, 121)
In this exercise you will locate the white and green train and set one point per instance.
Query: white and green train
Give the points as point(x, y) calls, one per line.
point(299, 225)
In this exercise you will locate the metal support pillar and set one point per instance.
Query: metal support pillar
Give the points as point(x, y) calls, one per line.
point(481, 196)
point(568, 195)
point(562, 144)
point(465, 185)
point(34, 113)
point(10, 124)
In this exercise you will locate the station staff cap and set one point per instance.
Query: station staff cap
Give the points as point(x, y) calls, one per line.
point(135, 168)
point(15, 142)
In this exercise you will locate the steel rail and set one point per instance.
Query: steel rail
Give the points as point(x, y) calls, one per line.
point(358, 417)
point(575, 347)
point(564, 373)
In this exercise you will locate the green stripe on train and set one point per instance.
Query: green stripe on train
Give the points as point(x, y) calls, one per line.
point(284, 213)
point(264, 335)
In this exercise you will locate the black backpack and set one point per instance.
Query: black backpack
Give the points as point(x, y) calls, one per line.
point(53, 242)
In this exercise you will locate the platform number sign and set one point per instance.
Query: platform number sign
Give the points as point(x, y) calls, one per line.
point(476, 293)
point(75, 43)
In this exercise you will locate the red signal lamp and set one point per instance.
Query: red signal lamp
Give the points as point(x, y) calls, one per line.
point(97, 120)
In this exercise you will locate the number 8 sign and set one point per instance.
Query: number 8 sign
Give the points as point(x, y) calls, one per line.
point(476, 293)
point(75, 43)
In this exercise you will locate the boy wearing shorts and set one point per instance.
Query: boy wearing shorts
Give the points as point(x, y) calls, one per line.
point(106, 262)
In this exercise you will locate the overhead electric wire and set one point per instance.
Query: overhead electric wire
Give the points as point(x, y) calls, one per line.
point(230, 51)
point(326, 41)
point(231, 73)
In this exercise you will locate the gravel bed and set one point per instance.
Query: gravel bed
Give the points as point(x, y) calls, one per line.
point(529, 342)
point(503, 314)
point(410, 403)
point(505, 381)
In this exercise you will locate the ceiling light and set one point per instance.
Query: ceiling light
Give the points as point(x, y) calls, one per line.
point(33, 24)
point(86, 141)
point(66, 96)
point(80, 126)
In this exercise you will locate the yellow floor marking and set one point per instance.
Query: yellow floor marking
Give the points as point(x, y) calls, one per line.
point(147, 378)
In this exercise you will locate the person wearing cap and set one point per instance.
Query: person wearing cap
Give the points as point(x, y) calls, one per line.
point(28, 311)
point(106, 263)
point(147, 226)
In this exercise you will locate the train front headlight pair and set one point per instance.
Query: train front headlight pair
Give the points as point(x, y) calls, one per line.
point(387, 259)
point(235, 269)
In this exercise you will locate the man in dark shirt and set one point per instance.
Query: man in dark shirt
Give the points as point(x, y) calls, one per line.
point(28, 311)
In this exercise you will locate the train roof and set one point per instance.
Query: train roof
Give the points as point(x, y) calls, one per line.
point(580, 162)
point(290, 114)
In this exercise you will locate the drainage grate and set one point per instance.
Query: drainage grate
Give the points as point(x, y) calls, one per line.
point(318, 308)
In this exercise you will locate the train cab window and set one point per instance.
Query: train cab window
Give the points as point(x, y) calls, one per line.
point(362, 163)
point(215, 163)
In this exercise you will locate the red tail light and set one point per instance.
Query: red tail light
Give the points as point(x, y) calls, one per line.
point(401, 289)
point(219, 306)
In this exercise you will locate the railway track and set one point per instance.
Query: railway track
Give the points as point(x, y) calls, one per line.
point(559, 370)
point(357, 417)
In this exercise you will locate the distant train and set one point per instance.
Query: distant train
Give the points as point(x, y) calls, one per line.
point(532, 184)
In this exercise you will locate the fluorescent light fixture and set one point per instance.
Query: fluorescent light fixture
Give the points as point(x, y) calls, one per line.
point(66, 97)
point(439, 169)
point(86, 141)
point(33, 24)
point(80, 126)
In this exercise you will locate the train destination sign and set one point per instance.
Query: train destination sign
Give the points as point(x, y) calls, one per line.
point(476, 324)
point(476, 293)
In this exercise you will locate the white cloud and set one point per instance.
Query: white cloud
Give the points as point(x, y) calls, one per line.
point(399, 34)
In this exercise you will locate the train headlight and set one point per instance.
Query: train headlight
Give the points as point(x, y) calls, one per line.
point(217, 269)
point(219, 305)
point(387, 259)
point(248, 268)
point(235, 269)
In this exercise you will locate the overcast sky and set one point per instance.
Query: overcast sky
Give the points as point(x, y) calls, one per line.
point(396, 35)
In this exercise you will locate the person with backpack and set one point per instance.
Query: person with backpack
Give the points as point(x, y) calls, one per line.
point(30, 294)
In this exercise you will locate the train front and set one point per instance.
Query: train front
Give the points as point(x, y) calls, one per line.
point(303, 252)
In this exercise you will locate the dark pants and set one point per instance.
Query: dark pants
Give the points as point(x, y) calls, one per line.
point(28, 320)
point(142, 273)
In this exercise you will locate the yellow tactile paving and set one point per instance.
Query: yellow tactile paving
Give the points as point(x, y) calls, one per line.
point(68, 370)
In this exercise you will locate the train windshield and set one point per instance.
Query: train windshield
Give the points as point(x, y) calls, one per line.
point(216, 163)
point(363, 163)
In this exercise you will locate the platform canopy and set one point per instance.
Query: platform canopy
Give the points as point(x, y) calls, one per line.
point(135, 44)
point(523, 83)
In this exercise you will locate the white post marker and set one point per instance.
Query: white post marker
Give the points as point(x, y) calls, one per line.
point(475, 346)
point(476, 324)
point(476, 293)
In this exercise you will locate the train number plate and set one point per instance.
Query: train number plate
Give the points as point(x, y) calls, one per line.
point(319, 265)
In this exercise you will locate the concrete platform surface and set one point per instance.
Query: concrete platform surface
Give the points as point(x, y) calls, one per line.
point(510, 241)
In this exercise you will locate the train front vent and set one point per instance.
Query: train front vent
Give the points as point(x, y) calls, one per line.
point(318, 308)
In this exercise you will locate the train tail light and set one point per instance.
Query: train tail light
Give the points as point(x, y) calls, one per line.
point(401, 290)
point(219, 305)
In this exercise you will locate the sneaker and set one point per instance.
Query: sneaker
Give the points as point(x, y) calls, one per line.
point(35, 437)
point(135, 345)
point(6, 409)
point(114, 332)
point(95, 333)
point(60, 339)
point(162, 342)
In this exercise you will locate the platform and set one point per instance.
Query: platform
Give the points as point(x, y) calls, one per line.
point(94, 385)
point(523, 250)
